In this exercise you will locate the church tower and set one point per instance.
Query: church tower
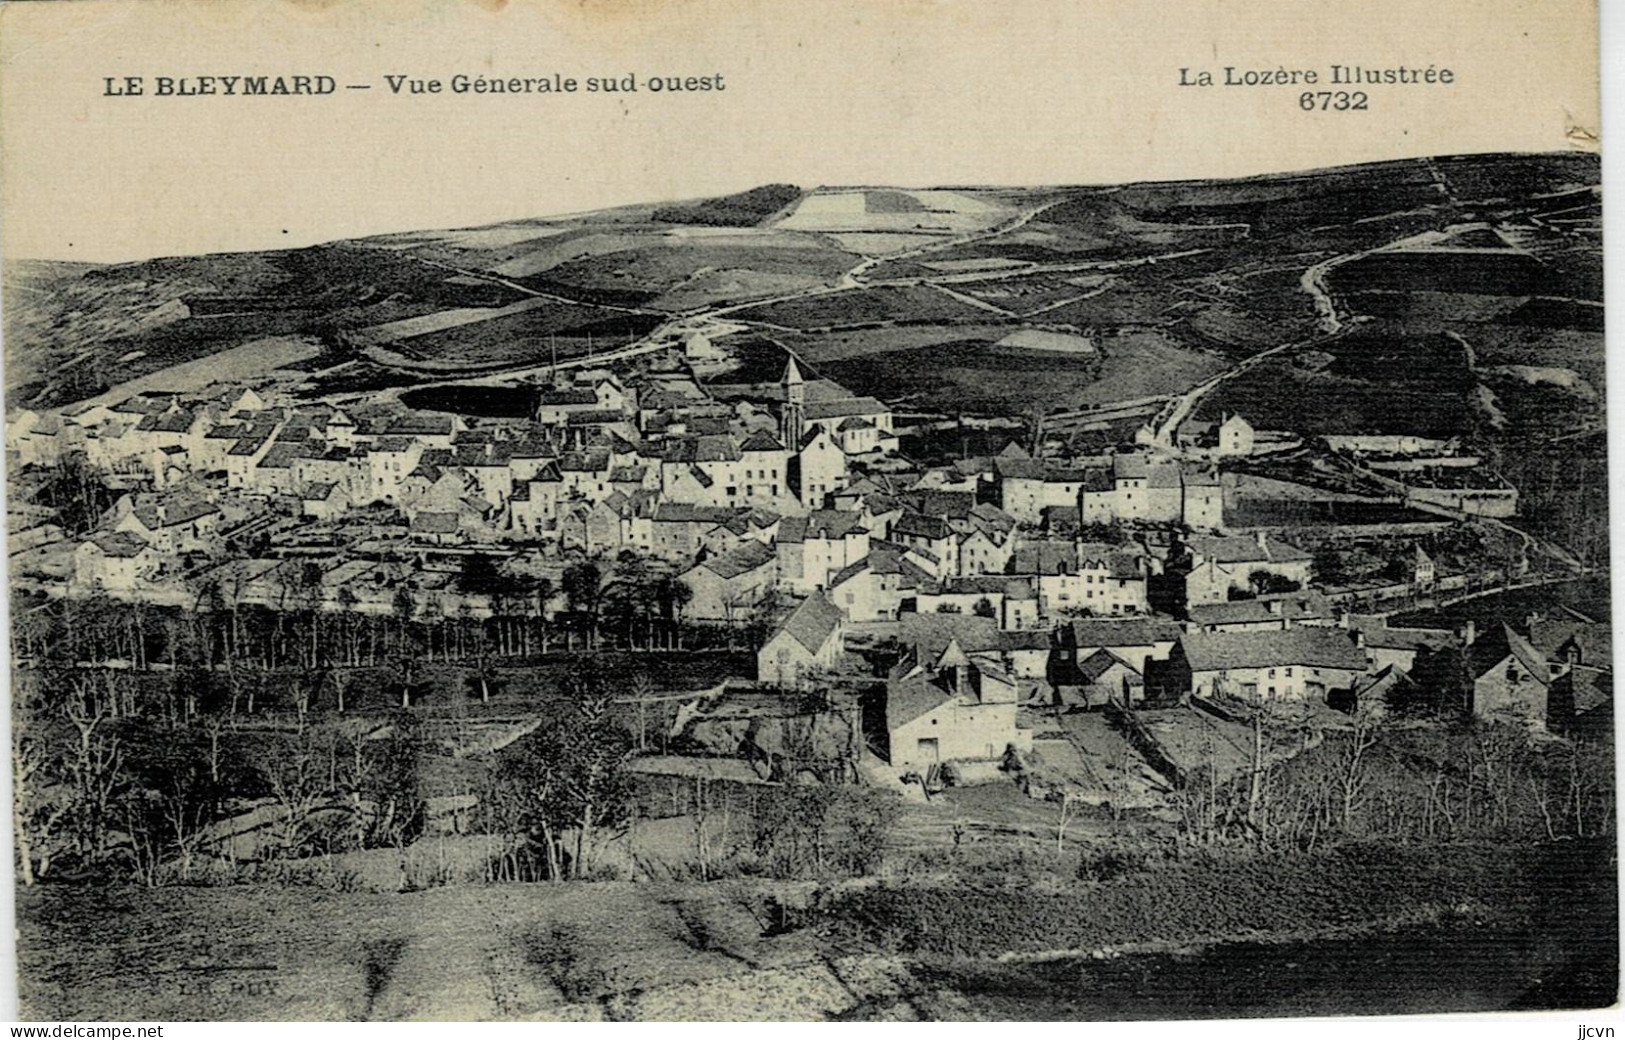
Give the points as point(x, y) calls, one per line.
point(793, 420)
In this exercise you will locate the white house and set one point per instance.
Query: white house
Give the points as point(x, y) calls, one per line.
point(809, 639)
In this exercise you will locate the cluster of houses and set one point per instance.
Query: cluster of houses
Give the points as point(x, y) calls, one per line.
point(963, 688)
point(1005, 583)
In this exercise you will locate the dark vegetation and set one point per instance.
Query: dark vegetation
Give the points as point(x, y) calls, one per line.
point(746, 209)
point(1177, 899)
point(498, 402)
point(879, 306)
point(531, 337)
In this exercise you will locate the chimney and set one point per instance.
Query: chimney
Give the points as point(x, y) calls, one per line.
point(1259, 535)
point(163, 514)
point(1273, 606)
point(1469, 632)
point(1359, 638)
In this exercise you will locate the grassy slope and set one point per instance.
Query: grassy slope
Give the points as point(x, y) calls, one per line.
point(672, 950)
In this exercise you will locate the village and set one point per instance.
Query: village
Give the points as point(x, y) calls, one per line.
point(1051, 610)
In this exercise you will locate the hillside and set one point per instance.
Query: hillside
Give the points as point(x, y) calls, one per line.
point(1182, 277)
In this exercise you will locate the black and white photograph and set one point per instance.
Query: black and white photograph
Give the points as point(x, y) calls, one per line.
point(976, 570)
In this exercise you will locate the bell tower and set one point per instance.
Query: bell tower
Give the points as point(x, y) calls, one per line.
point(793, 420)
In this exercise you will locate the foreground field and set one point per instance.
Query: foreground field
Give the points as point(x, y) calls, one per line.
point(1359, 930)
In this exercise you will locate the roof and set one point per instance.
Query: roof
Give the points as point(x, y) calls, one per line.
point(842, 407)
point(1501, 642)
point(687, 513)
point(820, 524)
point(883, 561)
point(420, 423)
point(709, 447)
point(1121, 631)
point(177, 511)
point(909, 698)
point(1589, 688)
point(1047, 470)
point(813, 622)
point(167, 422)
point(922, 686)
point(1100, 662)
point(1246, 549)
point(121, 544)
point(760, 442)
point(593, 460)
point(1309, 647)
point(595, 417)
point(1290, 606)
point(1378, 635)
point(566, 397)
point(932, 528)
point(930, 633)
point(741, 559)
point(535, 448)
point(1379, 685)
point(1554, 638)
point(972, 584)
point(1120, 563)
point(950, 505)
point(1200, 476)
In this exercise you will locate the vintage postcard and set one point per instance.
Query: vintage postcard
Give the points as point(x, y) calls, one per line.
point(897, 510)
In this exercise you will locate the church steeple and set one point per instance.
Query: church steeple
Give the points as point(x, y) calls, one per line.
point(793, 419)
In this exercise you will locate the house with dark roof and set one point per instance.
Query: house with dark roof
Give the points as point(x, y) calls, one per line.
point(1291, 665)
point(1216, 564)
point(809, 639)
point(1135, 640)
point(324, 500)
point(114, 561)
point(951, 706)
point(932, 535)
point(1102, 677)
point(814, 548)
point(677, 529)
point(1387, 647)
point(879, 586)
point(728, 587)
point(1269, 611)
point(171, 524)
point(983, 594)
point(1375, 693)
point(1084, 577)
point(1511, 679)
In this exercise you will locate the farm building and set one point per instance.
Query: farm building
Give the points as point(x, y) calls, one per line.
point(809, 639)
point(950, 708)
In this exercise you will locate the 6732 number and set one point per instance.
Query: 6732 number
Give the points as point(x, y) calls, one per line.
point(1332, 101)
